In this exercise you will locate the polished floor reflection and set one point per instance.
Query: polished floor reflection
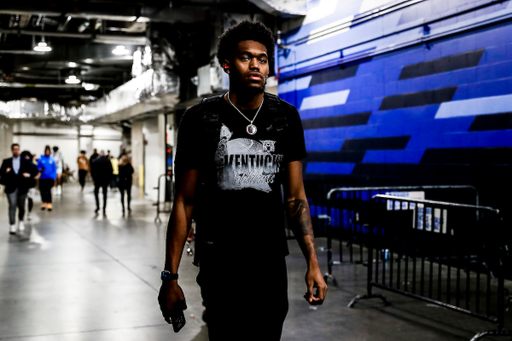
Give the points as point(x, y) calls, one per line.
point(74, 275)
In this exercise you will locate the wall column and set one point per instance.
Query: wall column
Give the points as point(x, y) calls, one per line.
point(137, 154)
point(6, 128)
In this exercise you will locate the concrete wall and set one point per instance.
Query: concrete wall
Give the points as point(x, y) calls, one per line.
point(137, 150)
point(154, 154)
point(6, 127)
point(35, 135)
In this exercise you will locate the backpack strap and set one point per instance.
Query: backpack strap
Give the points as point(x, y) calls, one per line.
point(276, 109)
point(211, 123)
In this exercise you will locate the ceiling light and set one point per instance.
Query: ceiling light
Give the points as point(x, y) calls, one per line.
point(120, 50)
point(25, 68)
point(72, 80)
point(72, 64)
point(89, 60)
point(42, 47)
point(90, 86)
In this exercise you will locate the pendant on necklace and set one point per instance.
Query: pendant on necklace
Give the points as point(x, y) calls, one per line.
point(251, 129)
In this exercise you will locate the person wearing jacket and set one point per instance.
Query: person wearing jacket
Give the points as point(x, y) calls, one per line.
point(32, 182)
point(48, 168)
point(125, 180)
point(101, 171)
point(83, 168)
point(15, 174)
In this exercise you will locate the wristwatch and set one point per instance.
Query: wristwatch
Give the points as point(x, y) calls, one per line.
point(167, 276)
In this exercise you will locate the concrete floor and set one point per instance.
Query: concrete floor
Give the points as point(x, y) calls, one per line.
point(76, 276)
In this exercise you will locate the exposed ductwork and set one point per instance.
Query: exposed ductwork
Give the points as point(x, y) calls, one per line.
point(48, 86)
point(97, 38)
point(31, 52)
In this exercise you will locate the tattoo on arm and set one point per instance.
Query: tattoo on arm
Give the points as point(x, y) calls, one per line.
point(299, 217)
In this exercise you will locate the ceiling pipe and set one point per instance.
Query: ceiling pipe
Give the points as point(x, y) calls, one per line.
point(143, 14)
point(32, 52)
point(48, 86)
point(97, 38)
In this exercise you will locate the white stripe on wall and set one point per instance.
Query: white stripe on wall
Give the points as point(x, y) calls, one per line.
point(475, 106)
point(325, 100)
point(294, 84)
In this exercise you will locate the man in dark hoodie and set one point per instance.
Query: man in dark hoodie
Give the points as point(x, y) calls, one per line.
point(16, 173)
point(101, 171)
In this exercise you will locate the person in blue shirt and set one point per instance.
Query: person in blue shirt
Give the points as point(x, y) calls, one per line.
point(48, 169)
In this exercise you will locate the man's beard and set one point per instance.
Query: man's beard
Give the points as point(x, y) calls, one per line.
point(248, 90)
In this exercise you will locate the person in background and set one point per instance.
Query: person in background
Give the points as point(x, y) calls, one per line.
point(59, 163)
point(15, 175)
point(93, 157)
point(125, 180)
point(31, 182)
point(101, 172)
point(115, 174)
point(83, 168)
point(123, 153)
point(108, 154)
point(48, 168)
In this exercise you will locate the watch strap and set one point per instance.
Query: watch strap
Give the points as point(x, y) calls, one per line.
point(166, 276)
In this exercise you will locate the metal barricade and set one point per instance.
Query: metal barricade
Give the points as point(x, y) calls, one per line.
point(441, 253)
point(347, 214)
point(159, 209)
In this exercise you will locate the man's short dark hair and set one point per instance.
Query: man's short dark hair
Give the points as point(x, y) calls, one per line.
point(14, 145)
point(82, 152)
point(26, 153)
point(55, 149)
point(244, 30)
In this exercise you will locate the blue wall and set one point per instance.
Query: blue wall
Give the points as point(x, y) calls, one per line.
point(422, 94)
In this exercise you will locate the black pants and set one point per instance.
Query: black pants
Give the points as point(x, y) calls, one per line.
point(16, 200)
point(128, 189)
point(45, 187)
point(97, 192)
point(81, 177)
point(246, 297)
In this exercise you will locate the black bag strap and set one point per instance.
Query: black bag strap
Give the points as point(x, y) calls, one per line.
point(276, 109)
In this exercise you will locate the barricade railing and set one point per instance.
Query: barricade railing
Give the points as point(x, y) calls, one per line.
point(346, 214)
point(441, 253)
point(158, 203)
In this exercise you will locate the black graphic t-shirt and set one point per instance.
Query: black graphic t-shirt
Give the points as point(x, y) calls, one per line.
point(242, 203)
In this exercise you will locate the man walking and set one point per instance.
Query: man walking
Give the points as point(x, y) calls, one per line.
point(101, 172)
point(15, 174)
point(83, 168)
point(59, 164)
point(234, 153)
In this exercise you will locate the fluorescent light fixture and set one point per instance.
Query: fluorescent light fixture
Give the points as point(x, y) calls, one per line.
point(72, 80)
point(89, 60)
point(143, 19)
point(90, 86)
point(25, 68)
point(120, 50)
point(42, 47)
point(72, 64)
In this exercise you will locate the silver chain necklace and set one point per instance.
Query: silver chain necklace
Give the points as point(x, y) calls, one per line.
point(251, 128)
